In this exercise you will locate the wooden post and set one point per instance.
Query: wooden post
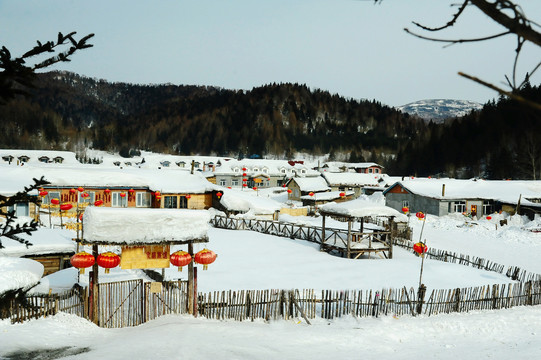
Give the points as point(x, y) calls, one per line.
point(195, 291)
point(190, 281)
point(94, 315)
point(421, 298)
point(322, 233)
point(391, 237)
point(349, 239)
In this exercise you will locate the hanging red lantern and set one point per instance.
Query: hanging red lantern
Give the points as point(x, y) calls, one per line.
point(122, 194)
point(65, 207)
point(219, 194)
point(311, 193)
point(108, 260)
point(205, 257)
point(244, 174)
point(489, 217)
point(85, 195)
point(43, 193)
point(244, 185)
point(55, 201)
point(420, 248)
point(180, 258)
point(289, 191)
point(82, 260)
point(157, 193)
point(420, 215)
point(255, 188)
point(244, 180)
point(107, 191)
point(98, 202)
point(342, 194)
point(73, 191)
point(131, 191)
point(158, 197)
point(405, 209)
point(80, 189)
point(244, 169)
point(188, 196)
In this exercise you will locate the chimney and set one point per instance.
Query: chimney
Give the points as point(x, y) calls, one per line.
point(443, 190)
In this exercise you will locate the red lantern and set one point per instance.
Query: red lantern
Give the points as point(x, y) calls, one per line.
point(244, 174)
point(244, 169)
point(255, 188)
point(405, 209)
point(188, 196)
point(107, 191)
point(108, 260)
point(244, 185)
point(85, 195)
point(420, 215)
point(205, 257)
point(219, 194)
point(229, 187)
point(289, 191)
point(158, 197)
point(43, 193)
point(311, 193)
point(244, 180)
point(157, 193)
point(73, 191)
point(55, 201)
point(65, 207)
point(131, 191)
point(98, 202)
point(82, 260)
point(284, 185)
point(420, 248)
point(80, 189)
point(122, 194)
point(342, 194)
point(180, 258)
point(489, 217)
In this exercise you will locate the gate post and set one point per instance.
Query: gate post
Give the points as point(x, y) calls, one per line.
point(421, 298)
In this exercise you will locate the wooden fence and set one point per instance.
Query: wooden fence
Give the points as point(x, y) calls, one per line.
point(36, 306)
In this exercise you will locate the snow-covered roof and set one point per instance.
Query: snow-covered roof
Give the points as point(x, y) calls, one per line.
point(68, 158)
point(19, 273)
point(500, 190)
point(245, 201)
point(360, 208)
point(351, 179)
point(341, 164)
point(312, 183)
point(133, 226)
point(256, 167)
point(13, 178)
point(44, 241)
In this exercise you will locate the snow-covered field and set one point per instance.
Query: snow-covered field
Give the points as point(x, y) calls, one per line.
point(249, 260)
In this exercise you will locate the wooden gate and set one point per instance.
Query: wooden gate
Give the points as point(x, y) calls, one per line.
point(133, 302)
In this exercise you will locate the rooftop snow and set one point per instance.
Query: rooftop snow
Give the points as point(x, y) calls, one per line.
point(313, 183)
point(136, 226)
point(351, 179)
point(44, 241)
point(18, 273)
point(244, 201)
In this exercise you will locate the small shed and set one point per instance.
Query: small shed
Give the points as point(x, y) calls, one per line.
point(375, 233)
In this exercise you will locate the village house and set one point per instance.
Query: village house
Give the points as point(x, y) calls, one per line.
point(475, 197)
point(258, 172)
point(19, 157)
point(302, 186)
point(351, 181)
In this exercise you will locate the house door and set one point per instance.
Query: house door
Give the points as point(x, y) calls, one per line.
point(473, 210)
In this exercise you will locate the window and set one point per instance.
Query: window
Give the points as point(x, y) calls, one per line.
point(406, 203)
point(119, 201)
point(255, 169)
point(236, 170)
point(265, 170)
point(89, 199)
point(51, 195)
point(235, 182)
point(488, 207)
point(183, 202)
point(21, 209)
point(460, 206)
point(170, 202)
point(303, 171)
point(283, 170)
point(142, 199)
point(370, 171)
point(223, 182)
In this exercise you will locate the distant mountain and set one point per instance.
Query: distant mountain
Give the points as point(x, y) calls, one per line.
point(440, 109)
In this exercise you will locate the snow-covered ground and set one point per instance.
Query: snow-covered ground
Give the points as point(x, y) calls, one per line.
point(249, 260)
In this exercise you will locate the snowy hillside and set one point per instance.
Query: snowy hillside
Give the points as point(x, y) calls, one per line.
point(440, 109)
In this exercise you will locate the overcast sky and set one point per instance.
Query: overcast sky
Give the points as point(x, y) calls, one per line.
point(352, 48)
